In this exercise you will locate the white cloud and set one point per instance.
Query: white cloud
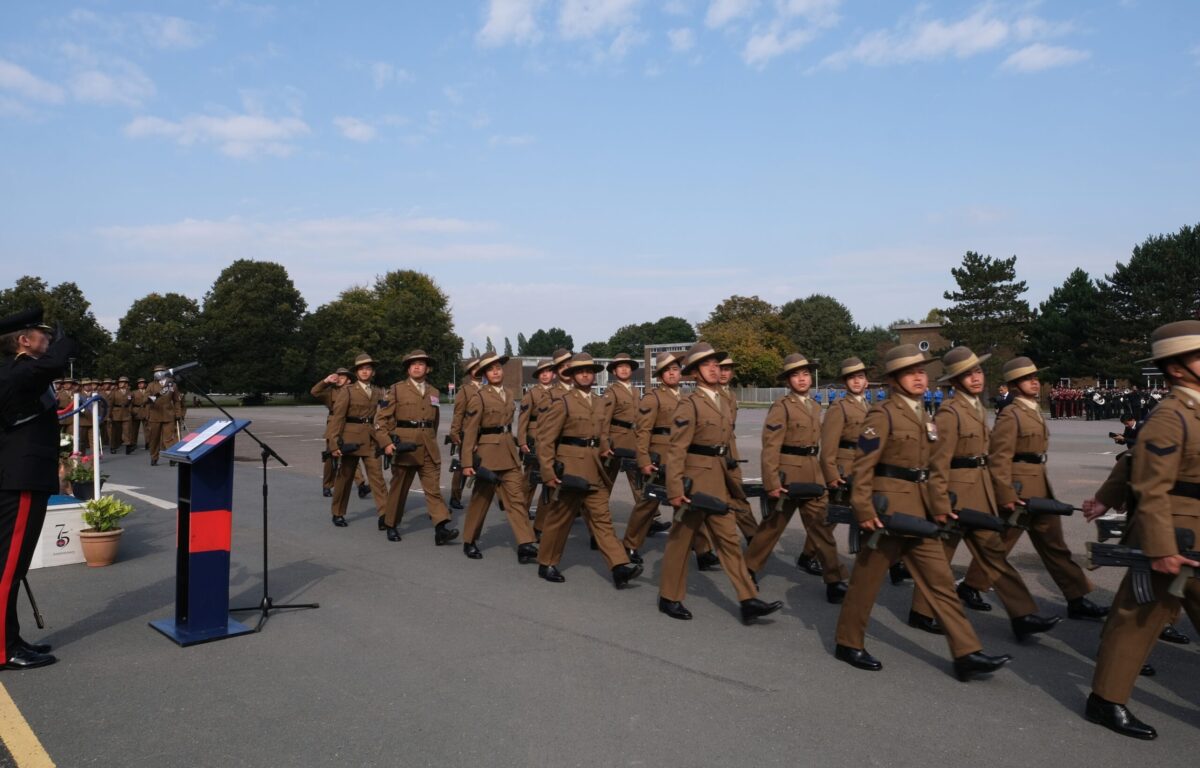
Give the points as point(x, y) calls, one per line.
point(169, 32)
point(588, 18)
point(980, 32)
point(521, 140)
point(354, 129)
point(124, 84)
point(766, 45)
point(625, 40)
point(243, 135)
point(384, 74)
point(24, 83)
point(1039, 56)
point(682, 39)
point(722, 12)
point(510, 21)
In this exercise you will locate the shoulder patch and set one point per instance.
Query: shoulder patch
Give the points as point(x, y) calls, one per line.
point(681, 422)
point(868, 444)
point(773, 427)
point(1164, 451)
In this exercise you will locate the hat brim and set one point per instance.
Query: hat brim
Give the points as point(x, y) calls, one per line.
point(633, 364)
point(358, 365)
point(1165, 350)
point(1020, 373)
point(852, 370)
point(690, 365)
point(904, 363)
point(571, 370)
point(789, 370)
point(964, 369)
point(418, 359)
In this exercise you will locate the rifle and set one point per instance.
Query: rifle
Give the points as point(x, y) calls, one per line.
point(1022, 514)
point(572, 483)
point(797, 492)
point(337, 460)
point(656, 486)
point(701, 502)
point(1111, 526)
point(627, 457)
point(484, 475)
point(842, 514)
point(900, 524)
point(398, 446)
point(1139, 564)
point(530, 460)
point(970, 520)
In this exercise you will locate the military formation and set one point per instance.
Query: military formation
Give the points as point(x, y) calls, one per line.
point(912, 486)
point(153, 412)
point(1101, 403)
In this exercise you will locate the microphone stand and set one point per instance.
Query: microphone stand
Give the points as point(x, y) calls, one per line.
point(267, 604)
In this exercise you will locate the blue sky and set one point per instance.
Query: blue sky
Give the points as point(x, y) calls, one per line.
point(591, 163)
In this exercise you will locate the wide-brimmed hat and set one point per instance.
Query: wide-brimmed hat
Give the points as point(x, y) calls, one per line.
point(623, 358)
point(361, 360)
point(1174, 339)
point(561, 355)
point(903, 356)
point(469, 365)
point(24, 320)
point(123, 378)
point(160, 367)
point(727, 360)
point(414, 356)
point(1018, 368)
point(850, 366)
point(487, 359)
point(665, 359)
point(343, 371)
point(700, 352)
point(581, 362)
point(86, 382)
point(958, 361)
point(794, 362)
point(139, 381)
point(543, 365)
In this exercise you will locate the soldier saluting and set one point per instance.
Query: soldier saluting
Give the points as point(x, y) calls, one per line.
point(350, 436)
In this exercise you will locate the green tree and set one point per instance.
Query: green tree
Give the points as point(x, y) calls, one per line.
point(636, 337)
point(1160, 284)
point(521, 344)
point(65, 304)
point(158, 328)
point(822, 328)
point(250, 329)
point(1070, 328)
point(508, 352)
point(543, 342)
point(338, 331)
point(987, 313)
point(871, 344)
point(752, 332)
point(597, 349)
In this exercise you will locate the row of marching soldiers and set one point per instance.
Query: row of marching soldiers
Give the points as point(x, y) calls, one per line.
point(156, 411)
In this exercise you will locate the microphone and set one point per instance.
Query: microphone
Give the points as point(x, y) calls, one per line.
point(170, 372)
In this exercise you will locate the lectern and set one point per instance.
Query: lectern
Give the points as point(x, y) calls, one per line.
point(203, 535)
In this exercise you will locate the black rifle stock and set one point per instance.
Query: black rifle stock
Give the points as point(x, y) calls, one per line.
point(627, 457)
point(1111, 526)
point(569, 483)
point(701, 502)
point(1139, 564)
point(656, 486)
point(841, 514)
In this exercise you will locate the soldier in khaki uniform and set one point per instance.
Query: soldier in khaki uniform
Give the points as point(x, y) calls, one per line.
point(534, 399)
point(892, 459)
point(1165, 478)
point(958, 465)
point(488, 443)
point(105, 391)
point(66, 401)
point(87, 388)
point(411, 416)
point(351, 422)
point(138, 409)
point(562, 385)
point(161, 397)
point(569, 432)
point(1017, 453)
point(468, 385)
point(121, 402)
point(323, 391)
point(839, 436)
point(746, 521)
point(621, 401)
point(652, 434)
point(790, 447)
point(701, 434)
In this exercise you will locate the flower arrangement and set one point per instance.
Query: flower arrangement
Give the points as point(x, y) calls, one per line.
point(80, 469)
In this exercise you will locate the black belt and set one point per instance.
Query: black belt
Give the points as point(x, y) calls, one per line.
point(357, 420)
point(580, 442)
point(968, 462)
point(532, 418)
point(1184, 488)
point(911, 474)
point(495, 430)
point(660, 431)
point(621, 424)
point(708, 450)
point(410, 424)
point(1030, 458)
point(849, 445)
point(799, 450)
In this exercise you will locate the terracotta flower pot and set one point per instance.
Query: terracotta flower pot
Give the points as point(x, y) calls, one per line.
point(100, 547)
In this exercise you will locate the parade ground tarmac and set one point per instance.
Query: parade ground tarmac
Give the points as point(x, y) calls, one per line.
point(418, 656)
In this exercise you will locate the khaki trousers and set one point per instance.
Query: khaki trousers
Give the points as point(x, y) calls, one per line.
point(987, 547)
point(345, 482)
point(926, 560)
point(723, 533)
point(1046, 534)
point(559, 515)
point(402, 478)
point(512, 495)
point(812, 515)
point(161, 435)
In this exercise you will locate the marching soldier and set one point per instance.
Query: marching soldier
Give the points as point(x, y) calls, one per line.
point(652, 435)
point(568, 435)
point(66, 401)
point(534, 399)
point(562, 385)
point(324, 391)
point(87, 388)
point(621, 402)
point(104, 389)
point(1017, 454)
point(140, 412)
point(1165, 478)
point(701, 433)
point(160, 419)
point(121, 402)
point(958, 465)
point(790, 446)
point(741, 506)
point(468, 385)
point(350, 427)
point(839, 437)
point(488, 444)
point(411, 418)
point(892, 459)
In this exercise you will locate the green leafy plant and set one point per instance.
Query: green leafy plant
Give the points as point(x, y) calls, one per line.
point(80, 469)
point(105, 513)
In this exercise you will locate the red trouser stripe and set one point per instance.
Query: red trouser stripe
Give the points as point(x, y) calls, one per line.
point(10, 565)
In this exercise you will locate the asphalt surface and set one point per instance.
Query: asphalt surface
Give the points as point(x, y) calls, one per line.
point(419, 656)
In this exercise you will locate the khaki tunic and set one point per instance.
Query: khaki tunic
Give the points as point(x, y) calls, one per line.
point(839, 437)
point(491, 410)
point(407, 405)
point(620, 430)
point(352, 421)
point(651, 435)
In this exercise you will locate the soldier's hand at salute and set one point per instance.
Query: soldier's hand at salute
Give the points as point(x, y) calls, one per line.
point(331, 379)
point(1172, 563)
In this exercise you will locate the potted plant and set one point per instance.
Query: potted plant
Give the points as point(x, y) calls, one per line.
point(100, 539)
point(81, 474)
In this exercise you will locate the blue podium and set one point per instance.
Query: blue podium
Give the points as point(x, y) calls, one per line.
point(204, 532)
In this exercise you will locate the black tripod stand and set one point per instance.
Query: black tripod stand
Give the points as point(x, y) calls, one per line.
point(267, 604)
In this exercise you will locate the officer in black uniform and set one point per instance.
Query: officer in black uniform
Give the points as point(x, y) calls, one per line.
point(31, 357)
